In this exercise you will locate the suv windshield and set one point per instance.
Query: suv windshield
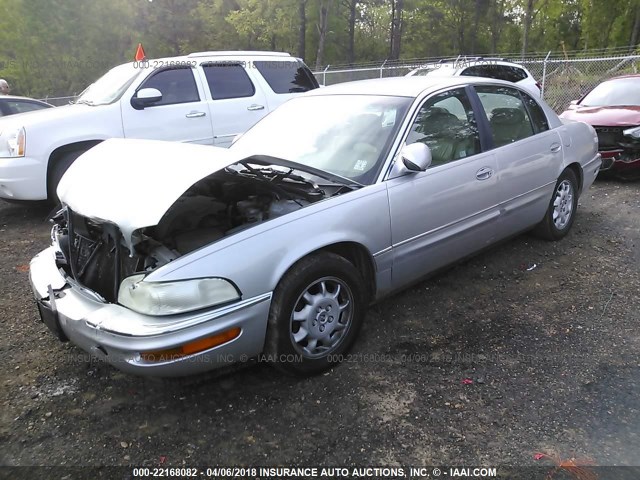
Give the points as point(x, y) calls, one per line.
point(110, 86)
point(620, 92)
point(347, 135)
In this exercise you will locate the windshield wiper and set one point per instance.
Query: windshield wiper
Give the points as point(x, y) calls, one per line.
point(267, 160)
point(85, 102)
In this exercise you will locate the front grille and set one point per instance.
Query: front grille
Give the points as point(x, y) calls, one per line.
point(93, 254)
point(610, 137)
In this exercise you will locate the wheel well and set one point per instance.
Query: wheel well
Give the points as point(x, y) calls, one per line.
point(60, 151)
point(360, 257)
point(577, 170)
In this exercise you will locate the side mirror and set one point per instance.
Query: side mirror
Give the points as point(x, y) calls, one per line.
point(413, 158)
point(416, 157)
point(145, 97)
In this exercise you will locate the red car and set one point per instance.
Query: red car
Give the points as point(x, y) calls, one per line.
point(613, 109)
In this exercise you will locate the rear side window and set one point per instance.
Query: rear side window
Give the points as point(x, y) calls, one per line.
point(538, 117)
point(177, 85)
point(286, 76)
point(507, 114)
point(228, 80)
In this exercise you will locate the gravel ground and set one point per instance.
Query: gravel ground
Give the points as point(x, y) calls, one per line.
point(532, 347)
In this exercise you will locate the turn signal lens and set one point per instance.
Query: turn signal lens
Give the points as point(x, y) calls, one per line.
point(191, 348)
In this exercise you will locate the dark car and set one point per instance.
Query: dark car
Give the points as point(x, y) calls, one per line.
point(10, 105)
point(613, 109)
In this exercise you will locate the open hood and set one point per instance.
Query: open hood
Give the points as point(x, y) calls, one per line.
point(132, 183)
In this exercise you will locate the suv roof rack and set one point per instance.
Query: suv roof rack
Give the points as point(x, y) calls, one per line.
point(239, 53)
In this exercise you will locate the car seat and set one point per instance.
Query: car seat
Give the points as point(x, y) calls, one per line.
point(509, 125)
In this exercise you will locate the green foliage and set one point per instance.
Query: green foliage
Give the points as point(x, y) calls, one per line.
point(58, 47)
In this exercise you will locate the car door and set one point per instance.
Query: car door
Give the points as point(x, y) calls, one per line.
point(527, 151)
point(181, 115)
point(449, 210)
point(235, 102)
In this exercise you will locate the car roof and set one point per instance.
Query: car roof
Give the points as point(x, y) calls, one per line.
point(465, 62)
point(411, 87)
point(630, 75)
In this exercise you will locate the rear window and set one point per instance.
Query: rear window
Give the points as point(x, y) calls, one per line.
point(286, 76)
point(499, 72)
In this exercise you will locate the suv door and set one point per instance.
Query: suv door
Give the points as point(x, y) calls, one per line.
point(527, 152)
point(450, 210)
point(234, 101)
point(181, 114)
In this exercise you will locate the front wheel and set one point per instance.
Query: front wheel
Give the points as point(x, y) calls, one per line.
point(316, 312)
point(562, 209)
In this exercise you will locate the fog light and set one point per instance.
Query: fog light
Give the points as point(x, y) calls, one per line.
point(190, 348)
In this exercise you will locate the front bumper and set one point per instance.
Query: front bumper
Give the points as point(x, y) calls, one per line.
point(118, 335)
point(23, 178)
point(619, 161)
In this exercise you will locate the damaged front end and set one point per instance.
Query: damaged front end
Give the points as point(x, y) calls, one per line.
point(620, 150)
point(98, 256)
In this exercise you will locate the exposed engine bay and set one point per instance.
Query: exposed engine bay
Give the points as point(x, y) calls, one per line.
point(615, 146)
point(221, 204)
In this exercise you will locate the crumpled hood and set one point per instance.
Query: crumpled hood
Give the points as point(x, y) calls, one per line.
point(132, 183)
point(604, 116)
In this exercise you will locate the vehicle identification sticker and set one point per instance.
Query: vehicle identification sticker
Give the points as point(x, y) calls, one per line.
point(360, 165)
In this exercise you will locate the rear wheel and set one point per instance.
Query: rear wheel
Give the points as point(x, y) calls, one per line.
point(562, 209)
point(316, 312)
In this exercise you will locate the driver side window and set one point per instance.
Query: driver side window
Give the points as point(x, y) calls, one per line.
point(446, 124)
point(177, 85)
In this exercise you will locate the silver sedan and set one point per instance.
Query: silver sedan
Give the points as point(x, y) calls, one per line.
point(170, 259)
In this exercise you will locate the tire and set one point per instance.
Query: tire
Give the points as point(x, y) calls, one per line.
point(60, 165)
point(309, 343)
point(562, 208)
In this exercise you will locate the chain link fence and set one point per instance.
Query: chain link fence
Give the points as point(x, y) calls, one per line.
point(562, 79)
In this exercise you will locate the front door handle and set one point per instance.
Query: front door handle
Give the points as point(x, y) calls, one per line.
point(484, 173)
point(555, 148)
point(195, 114)
point(255, 107)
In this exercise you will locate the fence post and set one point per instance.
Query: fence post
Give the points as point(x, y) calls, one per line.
point(324, 75)
point(544, 73)
point(382, 66)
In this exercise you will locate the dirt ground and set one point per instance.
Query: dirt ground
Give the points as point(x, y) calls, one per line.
point(532, 347)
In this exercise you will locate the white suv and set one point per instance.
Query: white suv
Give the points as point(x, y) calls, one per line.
point(207, 98)
point(497, 68)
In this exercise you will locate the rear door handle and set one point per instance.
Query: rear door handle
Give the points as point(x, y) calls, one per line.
point(195, 114)
point(484, 173)
point(255, 107)
point(555, 148)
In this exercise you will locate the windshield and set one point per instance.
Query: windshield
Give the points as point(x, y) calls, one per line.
point(347, 135)
point(110, 86)
point(620, 92)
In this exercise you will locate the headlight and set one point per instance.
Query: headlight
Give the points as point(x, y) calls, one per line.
point(633, 132)
point(169, 298)
point(13, 143)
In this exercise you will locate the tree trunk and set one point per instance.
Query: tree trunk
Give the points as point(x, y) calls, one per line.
point(397, 7)
point(635, 33)
point(302, 28)
point(528, 18)
point(322, 33)
point(474, 31)
point(351, 53)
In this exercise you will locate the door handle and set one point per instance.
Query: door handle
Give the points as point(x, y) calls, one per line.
point(195, 114)
point(484, 173)
point(555, 148)
point(255, 107)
